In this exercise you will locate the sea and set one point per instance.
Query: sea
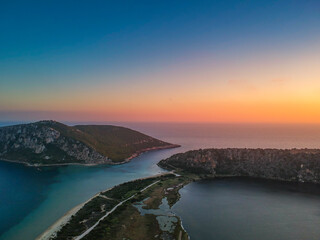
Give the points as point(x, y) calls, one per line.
point(32, 199)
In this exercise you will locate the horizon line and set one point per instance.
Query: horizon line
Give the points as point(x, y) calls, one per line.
point(158, 122)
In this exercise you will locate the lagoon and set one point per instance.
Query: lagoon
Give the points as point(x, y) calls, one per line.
point(243, 208)
point(32, 199)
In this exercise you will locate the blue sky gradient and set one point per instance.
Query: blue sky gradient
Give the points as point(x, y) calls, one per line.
point(54, 45)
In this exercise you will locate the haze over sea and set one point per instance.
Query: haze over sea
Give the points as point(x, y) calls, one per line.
point(46, 194)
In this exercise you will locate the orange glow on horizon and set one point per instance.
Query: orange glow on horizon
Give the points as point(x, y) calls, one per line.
point(260, 88)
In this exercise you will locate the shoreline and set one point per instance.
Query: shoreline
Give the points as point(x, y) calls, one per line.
point(55, 227)
point(148, 150)
point(134, 155)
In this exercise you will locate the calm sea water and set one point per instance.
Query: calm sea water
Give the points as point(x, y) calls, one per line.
point(32, 199)
point(232, 209)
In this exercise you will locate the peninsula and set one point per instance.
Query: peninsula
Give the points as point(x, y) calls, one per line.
point(49, 142)
point(296, 165)
point(137, 210)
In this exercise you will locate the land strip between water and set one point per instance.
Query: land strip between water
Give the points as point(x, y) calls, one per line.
point(141, 209)
point(86, 220)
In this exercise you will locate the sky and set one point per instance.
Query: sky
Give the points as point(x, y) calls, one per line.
point(162, 61)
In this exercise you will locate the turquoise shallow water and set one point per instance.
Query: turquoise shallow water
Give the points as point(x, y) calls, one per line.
point(22, 189)
point(233, 209)
point(65, 188)
point(32, 199)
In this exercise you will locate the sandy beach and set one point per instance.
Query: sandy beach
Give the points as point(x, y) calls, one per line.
point(53, 229)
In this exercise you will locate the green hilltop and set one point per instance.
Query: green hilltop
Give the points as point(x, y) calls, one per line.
point(51, 142)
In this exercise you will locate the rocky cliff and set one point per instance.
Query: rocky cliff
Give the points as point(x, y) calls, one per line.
point(50, 142)
point(302, 165)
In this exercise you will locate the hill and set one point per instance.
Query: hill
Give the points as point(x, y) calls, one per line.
point(51, 142)
point(297, 165)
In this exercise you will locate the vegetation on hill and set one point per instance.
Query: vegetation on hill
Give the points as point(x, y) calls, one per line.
point(51, 142)
point(296, 165)
point(118, 142)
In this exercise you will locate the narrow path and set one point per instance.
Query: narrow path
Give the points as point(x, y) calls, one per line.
point(112, 210)
point(103, 196)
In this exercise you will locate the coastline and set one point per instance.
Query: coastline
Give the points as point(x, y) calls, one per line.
point(148, 150)
point(134, 155)
point(55, 227)
point(44, 165)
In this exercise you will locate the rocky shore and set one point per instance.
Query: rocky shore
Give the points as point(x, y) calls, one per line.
point(298, 165)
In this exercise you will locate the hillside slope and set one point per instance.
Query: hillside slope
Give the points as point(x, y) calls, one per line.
point(299, 165)
point(118, 142)
point(51, 142)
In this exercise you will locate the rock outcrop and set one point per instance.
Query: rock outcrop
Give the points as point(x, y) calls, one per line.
point(301, 165)
point(50, 142)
